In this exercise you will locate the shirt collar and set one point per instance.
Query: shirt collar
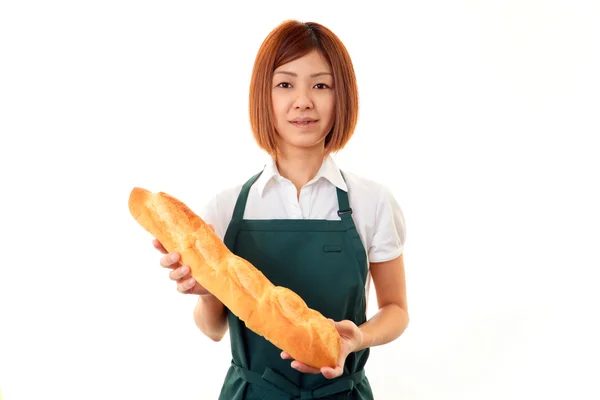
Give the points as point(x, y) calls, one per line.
point(329, 170)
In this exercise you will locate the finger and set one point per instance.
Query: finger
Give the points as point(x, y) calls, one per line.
point(331, 373)
point(211, 226)
point(158, 246)
point(304, 368)
point(186, 285)
point(285, 355)
point(180, 273)
point(169, 260)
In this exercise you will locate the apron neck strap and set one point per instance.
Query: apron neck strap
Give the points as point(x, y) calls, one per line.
point(240, 205)
point(344, 210)
point(238, 214)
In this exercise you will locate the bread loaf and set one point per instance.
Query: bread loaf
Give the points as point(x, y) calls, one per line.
point(276, 313)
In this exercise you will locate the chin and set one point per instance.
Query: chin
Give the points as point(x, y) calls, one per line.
point(305, 143)
point(308, 139)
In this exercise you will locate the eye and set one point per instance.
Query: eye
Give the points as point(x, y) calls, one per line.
point(284, 85)
point(321, 86)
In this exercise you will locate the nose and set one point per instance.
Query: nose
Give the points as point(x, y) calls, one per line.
point(303, 100)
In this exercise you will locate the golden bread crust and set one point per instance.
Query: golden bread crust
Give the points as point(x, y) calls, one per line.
point(276, 313)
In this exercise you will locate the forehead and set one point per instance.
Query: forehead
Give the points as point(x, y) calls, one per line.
point(312, 62)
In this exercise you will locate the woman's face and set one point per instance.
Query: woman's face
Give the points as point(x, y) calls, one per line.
point(303, 101)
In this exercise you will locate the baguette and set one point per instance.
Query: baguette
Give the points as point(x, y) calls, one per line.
point(276, 313)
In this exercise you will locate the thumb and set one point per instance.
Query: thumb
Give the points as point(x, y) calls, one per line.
point(345, 328)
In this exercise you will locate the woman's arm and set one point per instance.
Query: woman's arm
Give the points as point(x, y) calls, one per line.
point(210, 317)
point(392, 318)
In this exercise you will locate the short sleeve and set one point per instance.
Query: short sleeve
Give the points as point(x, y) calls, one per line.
point(209, 212)
point(389, 231)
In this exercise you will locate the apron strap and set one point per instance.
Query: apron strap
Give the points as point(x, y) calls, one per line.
point(238, 213)
point(343, 203)
point(271, 380)
point(345, 214)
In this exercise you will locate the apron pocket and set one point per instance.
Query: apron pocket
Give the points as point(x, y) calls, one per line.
point(332, 249)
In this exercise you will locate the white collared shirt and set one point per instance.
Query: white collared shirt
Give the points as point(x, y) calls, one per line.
point(376, 213)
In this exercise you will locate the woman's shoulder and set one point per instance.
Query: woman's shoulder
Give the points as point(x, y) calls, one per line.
point(359, 181)
point(372, 198)
point(228, 193)
point(366, 188)
point(218, 209)
point(379, 216)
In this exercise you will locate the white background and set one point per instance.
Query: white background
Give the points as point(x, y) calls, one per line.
point(479, 115)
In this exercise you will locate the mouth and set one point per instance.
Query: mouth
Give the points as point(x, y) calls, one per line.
point(303, 123)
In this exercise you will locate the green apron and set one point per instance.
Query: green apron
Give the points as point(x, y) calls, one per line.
point(325, 263)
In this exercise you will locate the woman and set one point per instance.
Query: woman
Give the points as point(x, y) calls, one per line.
point(305, 224)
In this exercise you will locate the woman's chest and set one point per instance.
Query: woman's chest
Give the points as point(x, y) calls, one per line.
point(285, 202)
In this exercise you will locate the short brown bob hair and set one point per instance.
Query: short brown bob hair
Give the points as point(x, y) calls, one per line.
point(288, 42)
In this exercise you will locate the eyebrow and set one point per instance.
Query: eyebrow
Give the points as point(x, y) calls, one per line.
point(295, 75)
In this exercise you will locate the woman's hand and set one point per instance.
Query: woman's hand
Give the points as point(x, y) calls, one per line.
point(352, 339)
point(180, 273)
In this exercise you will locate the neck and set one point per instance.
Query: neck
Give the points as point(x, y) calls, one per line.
point(300, 166)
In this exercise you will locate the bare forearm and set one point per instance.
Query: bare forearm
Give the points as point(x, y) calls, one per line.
point(210, 317)
point(385, 326)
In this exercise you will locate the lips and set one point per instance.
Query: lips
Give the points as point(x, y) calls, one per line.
point(303, 122)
